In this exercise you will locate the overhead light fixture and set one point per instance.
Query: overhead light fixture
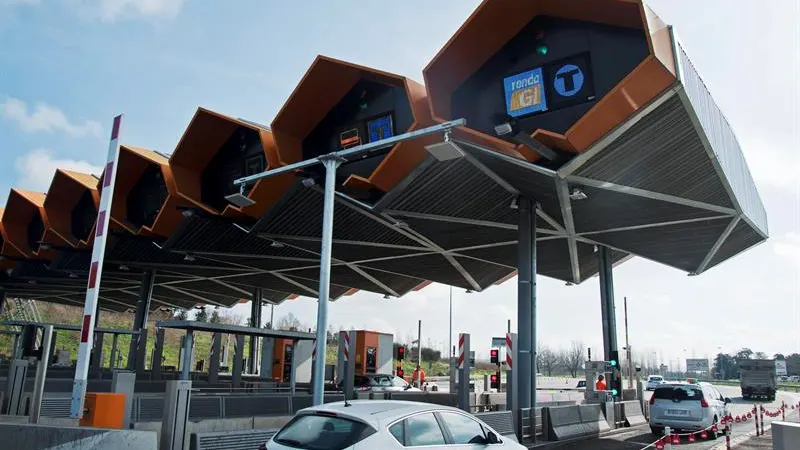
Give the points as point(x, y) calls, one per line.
point(45, 247)
point(189, 258)
point(569, 283)
point(445, 150)
point(507, 126)
point(469, 291)
point(276, 244)
point(309, 182)
point(514, 203)
point(503, 129)
point(577, 194)
point(72, 275)
point(386, 297)
point(400, 224)
point(31, 281)
point(239, 199)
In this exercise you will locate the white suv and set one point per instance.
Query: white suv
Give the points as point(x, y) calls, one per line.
point(686, 407)
point(653, 381)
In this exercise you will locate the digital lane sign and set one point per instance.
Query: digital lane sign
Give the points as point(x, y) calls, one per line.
point(525, 93)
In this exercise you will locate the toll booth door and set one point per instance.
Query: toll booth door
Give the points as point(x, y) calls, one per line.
point(287, 362)
point(372, 360)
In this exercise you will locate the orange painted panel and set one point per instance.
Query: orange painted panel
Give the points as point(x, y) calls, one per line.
point(21, 208)
point(65, 192)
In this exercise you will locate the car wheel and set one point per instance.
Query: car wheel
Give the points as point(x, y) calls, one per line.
point(657, 432)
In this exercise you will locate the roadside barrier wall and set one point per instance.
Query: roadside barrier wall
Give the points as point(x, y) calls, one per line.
point(43, 437)
point(567, 422)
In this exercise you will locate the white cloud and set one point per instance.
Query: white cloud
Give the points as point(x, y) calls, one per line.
point(36, 169)
point(47, 118)
point(788, 246)
point(112, 10)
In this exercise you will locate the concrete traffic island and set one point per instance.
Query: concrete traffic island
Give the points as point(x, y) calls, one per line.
point(42, 437)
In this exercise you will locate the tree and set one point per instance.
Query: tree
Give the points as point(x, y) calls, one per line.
point(181, 314)
point(547, 360)
point(725, 367)
point(201, 315)
point(779, 356)
point(572, 358)
point(289, 323)
point(215, 317)
point(744, 353)
point(760, 355)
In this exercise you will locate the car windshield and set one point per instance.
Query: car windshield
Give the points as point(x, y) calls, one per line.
point(322, 432)
point(399, 382)
point(656, 379)
point(678, 393)
point(381, 380)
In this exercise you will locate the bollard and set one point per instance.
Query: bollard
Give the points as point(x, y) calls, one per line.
point(755, 411)
point(667, 439)
point(728, 433)
point(762, 421)
point(783, 411)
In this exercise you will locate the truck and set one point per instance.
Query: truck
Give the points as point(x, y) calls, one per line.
point(758, 378)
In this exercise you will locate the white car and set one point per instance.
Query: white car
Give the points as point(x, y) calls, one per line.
point(386, 424)
point(653, 381)
point(376, 382)
point(687, 407)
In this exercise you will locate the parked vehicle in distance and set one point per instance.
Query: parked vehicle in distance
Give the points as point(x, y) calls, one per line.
point(377, 382)
point(654, 381)
point(386, 424)
point(794, 379)
point(686, 407)
point(757, 378)
point(581, 385)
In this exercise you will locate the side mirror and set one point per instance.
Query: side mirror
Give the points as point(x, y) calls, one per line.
point(727, 400)
point(491, 438)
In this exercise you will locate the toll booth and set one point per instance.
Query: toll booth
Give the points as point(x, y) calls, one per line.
point(283, 354)
point(374, 353)
point(592, 370)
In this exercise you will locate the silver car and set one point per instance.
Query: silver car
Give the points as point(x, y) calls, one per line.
point(386, 424)
point(653, 381)
point(687, 407)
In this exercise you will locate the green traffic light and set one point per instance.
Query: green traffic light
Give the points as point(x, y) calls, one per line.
point(614, 392)
point(541, 50)
point(613, 363)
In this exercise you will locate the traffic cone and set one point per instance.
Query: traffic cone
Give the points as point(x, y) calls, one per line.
point(676, 440)
point(660, 444)
point(704, 434)
point(691, 438)
point(749, 416)
point(738, 419)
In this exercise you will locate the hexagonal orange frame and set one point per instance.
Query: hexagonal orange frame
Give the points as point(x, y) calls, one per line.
point(20, 209)
point(206, 134)
point(7, 249)
point(495, 22)
point(65, 192)
point(324, 84)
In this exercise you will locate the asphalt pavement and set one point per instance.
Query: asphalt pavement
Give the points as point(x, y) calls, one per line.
point(640, 437)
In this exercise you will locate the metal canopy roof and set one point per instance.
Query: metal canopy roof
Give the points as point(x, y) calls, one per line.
point(191, 325)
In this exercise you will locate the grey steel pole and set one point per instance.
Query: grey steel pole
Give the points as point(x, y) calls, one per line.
point(450, 335)
point(331, 163)
point(419, 343)
point(532, 212)
point(140, 319)
point(628, 347)
point(525, 296)
point(272, 316)
point(607, 308)
point(41, 375)
point(186, 363)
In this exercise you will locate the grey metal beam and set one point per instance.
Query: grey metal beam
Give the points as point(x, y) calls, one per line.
point(140, 318)
point(622, 189)
point(651, 225)
point(715, 248)
point(526, 299)
point(569, 225)
point(354, 151)
point(283, 237)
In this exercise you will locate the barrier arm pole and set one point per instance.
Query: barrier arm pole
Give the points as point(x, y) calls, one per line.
point(95, 273)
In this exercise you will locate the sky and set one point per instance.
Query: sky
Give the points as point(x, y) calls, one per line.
point(67, 67)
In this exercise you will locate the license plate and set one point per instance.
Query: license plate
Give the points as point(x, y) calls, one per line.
point(677, 412)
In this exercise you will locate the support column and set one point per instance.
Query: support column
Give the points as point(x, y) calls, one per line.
point(112, 363)
point(255, 322)
point(97, 356)
point(213, 363)
point(331, 163)
point(236, 371)
point(186, 355)
point(463, 372)
point(139, 341)
point(158, 351)
point(41, 375)
point(607, 309)
point(526, 305)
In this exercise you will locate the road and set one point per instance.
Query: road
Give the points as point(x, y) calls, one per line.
point(640, 437)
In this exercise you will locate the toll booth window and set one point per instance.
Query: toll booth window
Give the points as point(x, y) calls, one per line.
point(380, 128)
point(372, 359)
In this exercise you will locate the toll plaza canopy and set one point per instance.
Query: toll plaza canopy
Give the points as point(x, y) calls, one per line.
point(591, 108)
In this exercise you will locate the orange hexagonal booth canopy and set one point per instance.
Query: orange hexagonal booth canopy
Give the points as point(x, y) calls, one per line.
point(214, 151)
point(564, 72)
point(25, 222)
point(339, 105)
point(71, 206)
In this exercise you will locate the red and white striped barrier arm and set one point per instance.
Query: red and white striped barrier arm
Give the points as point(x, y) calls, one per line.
point(95, 272)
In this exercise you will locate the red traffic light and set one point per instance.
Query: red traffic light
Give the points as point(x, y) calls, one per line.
point(399, 372)
point(494, 381)
point(494, 356)
point(401, 353)
point(494, 378)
